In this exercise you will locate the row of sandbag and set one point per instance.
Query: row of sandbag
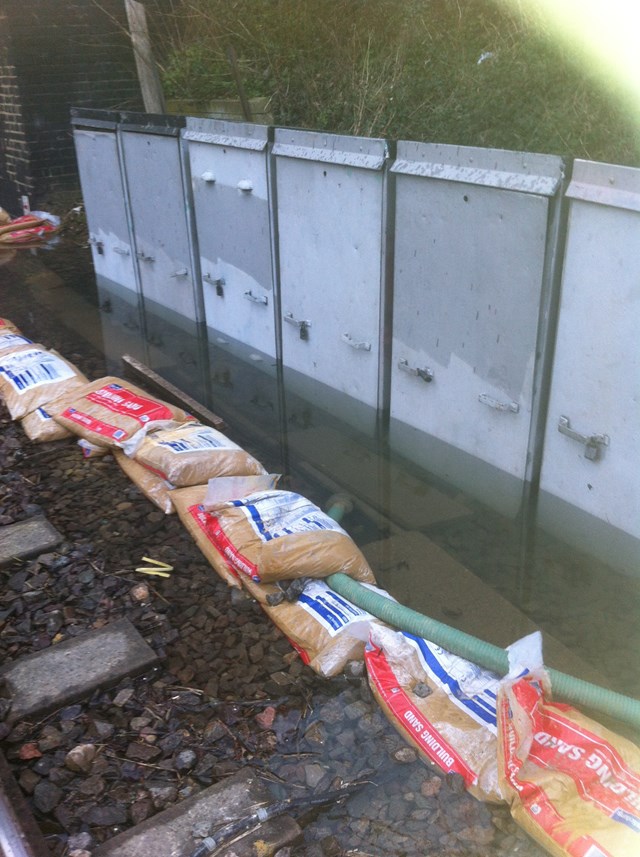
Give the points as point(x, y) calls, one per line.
point(252, 534)
point(571, 783)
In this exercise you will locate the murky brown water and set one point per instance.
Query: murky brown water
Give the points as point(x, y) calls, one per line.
point(436, 550)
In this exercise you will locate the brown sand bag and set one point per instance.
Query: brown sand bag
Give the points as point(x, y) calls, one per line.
point(7, 326)
point(573, 785)
point(31, 376)
point(112, 412)
point(40, 426)
point(188, 504)
point(280, 535)
point(11, 340)
point(324, 628)
point(153, 487)
point(192, 453)
point(91, 450)
point(454, 724)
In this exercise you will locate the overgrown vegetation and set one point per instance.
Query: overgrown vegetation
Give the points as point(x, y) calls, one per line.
point(469, 72)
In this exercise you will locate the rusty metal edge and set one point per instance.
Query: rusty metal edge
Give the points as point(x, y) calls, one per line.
point(20, 835)
point(137, 371)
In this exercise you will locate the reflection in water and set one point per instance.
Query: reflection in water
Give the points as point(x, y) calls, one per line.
point(435, 549)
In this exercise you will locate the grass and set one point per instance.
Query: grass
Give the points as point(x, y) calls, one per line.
point(406, 70)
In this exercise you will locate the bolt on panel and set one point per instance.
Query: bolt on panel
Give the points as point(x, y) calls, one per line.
point(470, 266)
point(592, 446)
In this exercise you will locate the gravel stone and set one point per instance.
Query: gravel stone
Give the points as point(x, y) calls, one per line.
point(46, 796)
point(80, 758)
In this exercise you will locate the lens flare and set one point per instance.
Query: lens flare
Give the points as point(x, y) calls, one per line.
point(602, 33)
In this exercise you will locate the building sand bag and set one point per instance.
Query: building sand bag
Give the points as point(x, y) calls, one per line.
point(6, 326)
point(324, 628)
point(152, 486)
point(280, 535)
point(443, 705)
point(112, 412)
point(573, 785)
point(189, 504)
point(193, 453)
point(10, 340)
point(40, 426)
point(32, 376)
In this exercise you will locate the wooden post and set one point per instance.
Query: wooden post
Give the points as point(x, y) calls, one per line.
point(244, 102)
point(152, 94)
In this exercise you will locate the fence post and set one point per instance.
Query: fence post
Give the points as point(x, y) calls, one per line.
point(152, 94)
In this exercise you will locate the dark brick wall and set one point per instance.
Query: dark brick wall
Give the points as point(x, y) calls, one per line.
point(54, 55)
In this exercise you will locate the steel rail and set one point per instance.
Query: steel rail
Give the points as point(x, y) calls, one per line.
point(19, 833)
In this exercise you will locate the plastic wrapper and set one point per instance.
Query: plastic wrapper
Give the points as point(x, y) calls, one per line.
point(29, 229)
point(153, 487)
point(324, 628)
point(573, 785)
point(280, 535)
point(10, 340)
point(40, 426)
point(114, 413)
point(445, 706)
point(31, 376)
point(193, 453)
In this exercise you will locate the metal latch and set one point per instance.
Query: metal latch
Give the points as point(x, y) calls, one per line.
point(513, 407)
point(303, 326)
point(208, 177)
point(99, 245)
point(257, 299)
point(592, 442)
point(144, 258)
point(123, 251)
point(359, 346)
point(218, 282)
point(425, 373)
point(181, 272)
point(245, 185)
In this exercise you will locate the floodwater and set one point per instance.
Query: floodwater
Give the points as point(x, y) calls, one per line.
point(433, 547)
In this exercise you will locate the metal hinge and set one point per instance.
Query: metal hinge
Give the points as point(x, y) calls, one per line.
point(359, 346)
point(257, 299)
point(592, 442)
point(425, 373)
point(302, 325)
point(497, 405)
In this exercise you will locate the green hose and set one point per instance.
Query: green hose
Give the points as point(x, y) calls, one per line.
point(566, 687)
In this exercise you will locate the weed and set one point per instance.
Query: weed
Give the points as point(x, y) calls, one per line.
point(468, 72)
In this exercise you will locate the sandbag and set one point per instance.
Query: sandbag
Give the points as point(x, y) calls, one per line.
point(193, 453)
point(31, 376)
point(92, 450)
point(280, 535)
point(40, 426)
point(443, 705)
point(197, 521)
point(29, 229)
point(10, 340)
point(152, 486)
point(572, 784)
point(324, 628)
point(189, 503)
point(112, 412)
point(7, 325)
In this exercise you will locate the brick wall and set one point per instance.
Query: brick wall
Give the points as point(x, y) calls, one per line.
point(54, 55)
